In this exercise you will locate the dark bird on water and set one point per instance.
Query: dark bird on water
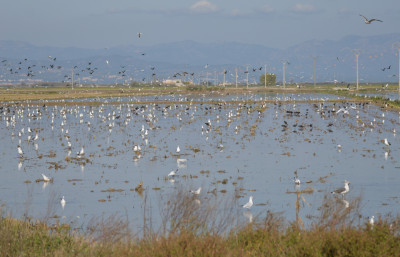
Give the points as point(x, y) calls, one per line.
point(367, 21)
point(386, 68)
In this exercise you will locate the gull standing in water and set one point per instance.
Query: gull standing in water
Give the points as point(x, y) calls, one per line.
point(387, 142)
point(178, 150)
point(371, 220)
point(197, 192)
point(81, 152)
point(343, 190)
point(173, 173)
point(63, 202)
point(249, 203)
point(20, 151)
point(296, 180)
point(46, 178)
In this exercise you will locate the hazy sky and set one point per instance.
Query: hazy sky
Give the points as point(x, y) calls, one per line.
point(108, 23)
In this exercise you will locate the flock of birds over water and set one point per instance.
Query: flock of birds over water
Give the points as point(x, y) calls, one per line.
point(140, 126)
point(31, 70)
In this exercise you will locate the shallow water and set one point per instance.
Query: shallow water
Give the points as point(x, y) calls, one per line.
point(392, 96)
point(246, 151)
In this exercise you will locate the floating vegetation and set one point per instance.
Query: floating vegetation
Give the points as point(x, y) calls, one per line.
point(112, 190)
point(56, 166)
point(74, 180)
point(139, 188)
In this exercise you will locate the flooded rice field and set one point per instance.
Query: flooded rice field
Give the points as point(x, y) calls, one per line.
point(392, 96)
point(241, 146)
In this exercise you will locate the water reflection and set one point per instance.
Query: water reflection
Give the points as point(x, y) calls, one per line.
point(346, 203)
point(249, 216)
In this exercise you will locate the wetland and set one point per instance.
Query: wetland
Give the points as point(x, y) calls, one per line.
point(232, 144)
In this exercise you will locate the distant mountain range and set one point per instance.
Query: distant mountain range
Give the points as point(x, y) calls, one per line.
point(334, 59)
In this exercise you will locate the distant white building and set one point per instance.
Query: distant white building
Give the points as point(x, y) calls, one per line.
point(173, 82)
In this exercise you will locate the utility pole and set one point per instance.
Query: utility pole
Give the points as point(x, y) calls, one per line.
point(224, 76)
point(334, 74)
point(398, 48)
point(265, 76)
point(284, 80)
point(356, 53)
point(247, 79)
point(72, 78)
point(315, 68)
point(236, 76)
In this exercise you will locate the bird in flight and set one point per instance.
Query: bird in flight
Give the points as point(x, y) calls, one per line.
point(369, 21)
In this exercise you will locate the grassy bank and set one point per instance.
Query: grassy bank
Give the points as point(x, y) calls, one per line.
point(23, 238)
point(58, 93)
point(195, 231)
